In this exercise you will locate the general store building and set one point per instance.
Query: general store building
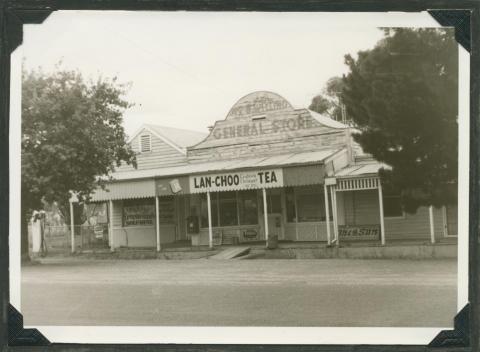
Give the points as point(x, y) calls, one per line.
point(266, 170)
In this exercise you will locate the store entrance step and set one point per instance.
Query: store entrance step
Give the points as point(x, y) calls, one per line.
point(231, 253)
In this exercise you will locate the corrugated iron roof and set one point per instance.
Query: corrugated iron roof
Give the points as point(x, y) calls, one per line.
point(289, 159)
point(182, 138)
point(361, 169)
point(125, 190)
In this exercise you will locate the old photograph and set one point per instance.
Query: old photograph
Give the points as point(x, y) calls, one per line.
point(239, 170)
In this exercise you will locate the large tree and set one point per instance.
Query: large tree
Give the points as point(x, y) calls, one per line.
point(328, 102)
point(402, 97)
point(71, 133)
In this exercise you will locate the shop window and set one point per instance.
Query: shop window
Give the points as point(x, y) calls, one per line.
point(392, 206)
point(139, 212)
point(248, 207)
point(166, 210)
point(274, 203)
point(310, 204)
point(145, 143)
point(224, 209)
point(290, 204)
point(227, 208)
point(310, 208)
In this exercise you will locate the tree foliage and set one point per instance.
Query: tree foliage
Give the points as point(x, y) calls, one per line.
point(402, 96)
point(71, 133)
point(328, 101)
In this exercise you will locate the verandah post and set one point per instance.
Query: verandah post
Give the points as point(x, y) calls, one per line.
point(432, 228)
point(327, 214)
point(72, 228)
point(157, 222)
point(333, 195)
point(382, 224)
point(265, 213)
point(210, 232)
point(110, 208)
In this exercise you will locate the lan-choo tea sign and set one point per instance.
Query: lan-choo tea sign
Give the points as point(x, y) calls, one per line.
point(240, 180)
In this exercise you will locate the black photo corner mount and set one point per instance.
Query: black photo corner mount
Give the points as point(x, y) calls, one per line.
point(460, 20)
point(18, 336)
point(459, 337)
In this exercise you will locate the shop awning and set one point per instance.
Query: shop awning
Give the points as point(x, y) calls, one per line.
point(358, 170)
point(283, 160)
point(125, 190)
point(297, 169)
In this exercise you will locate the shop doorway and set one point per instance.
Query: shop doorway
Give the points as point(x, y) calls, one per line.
point(274, 213)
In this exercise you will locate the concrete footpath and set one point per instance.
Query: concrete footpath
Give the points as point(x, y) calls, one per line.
point(295, 250)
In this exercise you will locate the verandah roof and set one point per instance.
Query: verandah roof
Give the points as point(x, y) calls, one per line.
point(141, 183)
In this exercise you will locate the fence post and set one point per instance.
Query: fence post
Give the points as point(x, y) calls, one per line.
point(72, 228)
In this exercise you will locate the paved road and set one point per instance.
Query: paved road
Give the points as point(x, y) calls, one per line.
point(329, 292)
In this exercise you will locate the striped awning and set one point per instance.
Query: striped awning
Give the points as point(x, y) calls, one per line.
point(125, 190)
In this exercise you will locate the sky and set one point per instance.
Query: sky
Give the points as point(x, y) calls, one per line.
point(187, 69)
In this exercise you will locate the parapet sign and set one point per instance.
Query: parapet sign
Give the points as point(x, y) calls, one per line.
point(257, 104)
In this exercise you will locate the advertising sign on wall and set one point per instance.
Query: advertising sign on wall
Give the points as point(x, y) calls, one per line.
point(232, 181)
point(359, 232)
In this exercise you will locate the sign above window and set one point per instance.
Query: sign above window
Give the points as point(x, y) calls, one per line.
point(232, 181)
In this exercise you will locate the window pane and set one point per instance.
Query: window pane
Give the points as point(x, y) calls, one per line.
point(290, 204)
point(310, 207)
point(228, 208)
point(392, 206)
point(248, 207)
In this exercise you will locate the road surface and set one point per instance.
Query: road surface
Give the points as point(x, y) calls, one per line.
point(321, 292)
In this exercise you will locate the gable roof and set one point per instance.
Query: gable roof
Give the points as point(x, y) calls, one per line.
point(178, 138)
point(327, 121)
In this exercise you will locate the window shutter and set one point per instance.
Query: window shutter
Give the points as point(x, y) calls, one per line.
point(145, 143)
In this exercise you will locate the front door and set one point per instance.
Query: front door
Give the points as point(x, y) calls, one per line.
point(275, 225)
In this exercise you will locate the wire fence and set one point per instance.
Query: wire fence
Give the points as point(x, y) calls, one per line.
point(58, 239)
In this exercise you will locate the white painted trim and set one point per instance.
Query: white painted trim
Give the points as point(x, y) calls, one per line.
point(335, 214)
point(110, 208)
point(327, 215)
point(382, 218)
point(265, 213)
point(210, 231)
point(157, 223)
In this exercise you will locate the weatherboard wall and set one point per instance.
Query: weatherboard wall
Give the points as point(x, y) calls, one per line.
point(362, 208)
point(162, 154)
point(145, 236)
